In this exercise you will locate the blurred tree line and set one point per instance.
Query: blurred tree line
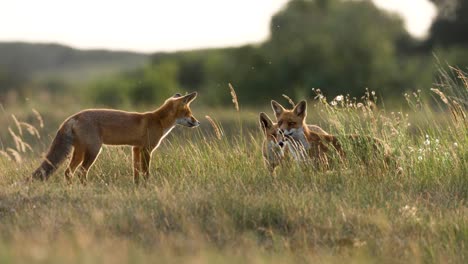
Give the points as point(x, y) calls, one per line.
point(338, 46)
point(54, 68)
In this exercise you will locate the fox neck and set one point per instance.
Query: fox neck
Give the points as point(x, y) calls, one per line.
point(302, 135)
point(165, 117)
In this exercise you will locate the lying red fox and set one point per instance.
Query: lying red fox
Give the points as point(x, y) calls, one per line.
point(315, 141)
point(86, 132)
point(277, 146)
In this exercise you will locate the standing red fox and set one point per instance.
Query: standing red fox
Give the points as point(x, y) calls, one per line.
point(86, 132)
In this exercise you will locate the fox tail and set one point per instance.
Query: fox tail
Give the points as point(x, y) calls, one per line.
point(60, 148)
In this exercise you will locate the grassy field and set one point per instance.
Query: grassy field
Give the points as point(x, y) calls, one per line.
point(211, 200)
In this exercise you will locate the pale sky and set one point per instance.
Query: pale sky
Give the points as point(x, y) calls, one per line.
point(162, 25)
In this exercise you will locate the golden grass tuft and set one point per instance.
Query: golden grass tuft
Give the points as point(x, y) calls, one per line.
point(234, 97)
point(15, 154)
point(5, 154)
point(290, 101)
point(16, 139)
point(38, 117)
point(461, 75)
point(18, 125)
point(441, 95)
point(32, 130)
point(216, 129)
point(457, 111)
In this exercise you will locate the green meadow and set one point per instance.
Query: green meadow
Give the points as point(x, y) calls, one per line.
point(210, 198)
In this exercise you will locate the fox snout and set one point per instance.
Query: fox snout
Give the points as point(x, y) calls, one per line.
point(288, 132)
point(194, 123)
point(284, 140)
point(188, 122)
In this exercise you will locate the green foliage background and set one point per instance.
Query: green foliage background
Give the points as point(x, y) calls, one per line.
point(338, 46)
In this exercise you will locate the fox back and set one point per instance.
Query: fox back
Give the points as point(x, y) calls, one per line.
point(130, 128)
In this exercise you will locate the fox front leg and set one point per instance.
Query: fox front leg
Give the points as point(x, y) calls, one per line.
point(145, 162)
point(136, 164)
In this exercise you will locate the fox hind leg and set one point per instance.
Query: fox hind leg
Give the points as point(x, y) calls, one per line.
point(90, 156)
point(76, 160)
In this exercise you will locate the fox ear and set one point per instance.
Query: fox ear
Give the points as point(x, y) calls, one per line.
point(301, 109)
point(277, 108)
point(187, 99)
point(265, 122)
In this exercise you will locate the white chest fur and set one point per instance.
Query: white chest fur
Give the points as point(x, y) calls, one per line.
point(298, 135)
point(296, 149)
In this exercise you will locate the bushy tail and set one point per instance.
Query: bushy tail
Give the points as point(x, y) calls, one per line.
point(58, 151)
point(370, 144)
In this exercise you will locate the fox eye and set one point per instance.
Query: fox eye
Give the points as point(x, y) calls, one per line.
point(280, 123)
point(292, 123)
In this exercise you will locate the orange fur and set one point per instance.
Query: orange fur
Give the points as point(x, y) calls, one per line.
point(273, 152)
point(313, 138)
point(86, 132)
point(292, 123)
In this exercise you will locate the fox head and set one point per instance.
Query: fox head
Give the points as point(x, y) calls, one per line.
point(270, 130)
point(273, 151)
point(181, 108)
point(290, 122)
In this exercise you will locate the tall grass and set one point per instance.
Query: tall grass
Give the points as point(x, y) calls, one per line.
point(210, 199)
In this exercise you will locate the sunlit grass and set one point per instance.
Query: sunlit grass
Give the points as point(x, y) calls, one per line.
point(210, 199)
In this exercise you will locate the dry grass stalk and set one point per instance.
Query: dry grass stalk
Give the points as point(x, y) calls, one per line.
point(5, 154)
point(20, 145)
point(27, 146)
point(15, 154)
point(31, 129)
point(16, 139)
point(371, 106)
point(461, 75)
point(234, 97)
point(441, 95)
point(38, 117)
point(216, 128)
point(458, 112)
point(17, 123)
point(291, 102)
